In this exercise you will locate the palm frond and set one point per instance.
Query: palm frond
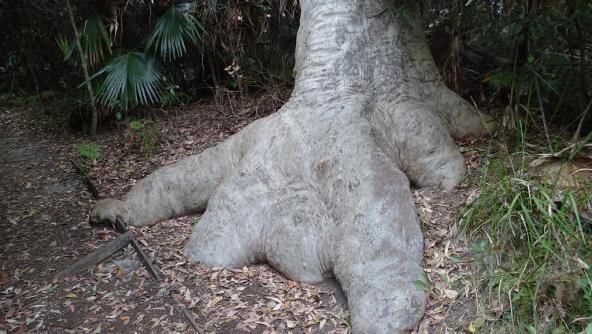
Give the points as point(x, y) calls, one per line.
point(211, 7)
point(129, 80)
point(95, 40)
point(174, 29)
point(65, 46)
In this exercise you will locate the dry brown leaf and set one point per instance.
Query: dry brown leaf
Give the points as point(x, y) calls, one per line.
point(452, 294)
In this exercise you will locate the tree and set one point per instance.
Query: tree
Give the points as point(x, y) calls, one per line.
point(83, 62)
point(321, 188)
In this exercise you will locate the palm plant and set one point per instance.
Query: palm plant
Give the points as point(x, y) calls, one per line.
point(135, 77)
point(173, 29)
point(95, 40)
point(130, 79)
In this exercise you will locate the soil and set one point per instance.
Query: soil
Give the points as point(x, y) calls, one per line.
point(44, 228)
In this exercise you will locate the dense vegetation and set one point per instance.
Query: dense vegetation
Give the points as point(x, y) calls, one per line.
point(141, 53)
point(161, 53)
point(528, 61)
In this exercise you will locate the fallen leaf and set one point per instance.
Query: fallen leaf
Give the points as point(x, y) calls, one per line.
point(476, 324)
point(214, 301)
point(452, 294)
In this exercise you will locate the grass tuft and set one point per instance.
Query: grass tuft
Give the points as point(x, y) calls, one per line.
point(533, 248)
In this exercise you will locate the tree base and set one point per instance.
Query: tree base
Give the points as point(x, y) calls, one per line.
point(321, 188)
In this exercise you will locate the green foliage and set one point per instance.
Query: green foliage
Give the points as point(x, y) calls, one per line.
point(202, 37)
point(174, 29)
point(3, 7)
point(128, 80)
point(547, 42)
point(65, 46)
point(147, 133)
point(532, 246)
point(135, 78)
point(172, 96)
point(252, 42)
point(501, 79)
point(95, 40)
point(90, 152)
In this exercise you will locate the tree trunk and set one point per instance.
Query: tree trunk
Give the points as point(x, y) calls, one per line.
point(84, 63)
point(321, 188)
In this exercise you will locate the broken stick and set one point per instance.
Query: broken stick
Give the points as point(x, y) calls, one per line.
point(121, 227)
point(113, 246)
point(126, 238)
point(97, 256)
point(145, 260)
point(85, 178)
point(189, 317)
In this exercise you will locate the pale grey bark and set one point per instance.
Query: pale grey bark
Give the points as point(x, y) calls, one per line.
point(321, 188)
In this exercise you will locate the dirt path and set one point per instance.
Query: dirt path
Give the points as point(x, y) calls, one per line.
point(38, 219)
point(44, 228)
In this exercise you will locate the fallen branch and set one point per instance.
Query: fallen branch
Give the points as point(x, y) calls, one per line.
point(126, 238)
point(85, 179)
point(97, 256)
point(189, 317)
point(145, 260)
point(121, 227)
point(109, 249)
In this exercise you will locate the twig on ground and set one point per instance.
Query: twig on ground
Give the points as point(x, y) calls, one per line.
point(85, 179)
point(189, 317)
point(145, 260)
point(126, 238)
point(97, 256)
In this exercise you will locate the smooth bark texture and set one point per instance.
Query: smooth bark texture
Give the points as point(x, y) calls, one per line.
point(321, 188)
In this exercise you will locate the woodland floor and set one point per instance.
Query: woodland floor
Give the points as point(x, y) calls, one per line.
point(44, 228)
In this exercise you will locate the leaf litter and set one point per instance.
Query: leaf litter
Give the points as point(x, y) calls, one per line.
point(46, 229)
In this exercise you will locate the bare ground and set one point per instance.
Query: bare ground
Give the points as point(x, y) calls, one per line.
point(44, 228)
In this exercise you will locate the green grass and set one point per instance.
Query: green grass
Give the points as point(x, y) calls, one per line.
point(533, 249)
point(89, 152)
point(147, 132)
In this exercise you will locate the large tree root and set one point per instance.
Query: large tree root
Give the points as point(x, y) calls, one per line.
point(321, 188)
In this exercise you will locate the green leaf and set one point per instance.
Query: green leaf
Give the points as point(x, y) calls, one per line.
point(421, 283)
point(95, 40)
point(89, 151)
point(65, 46)
point(129, 80)
point(176, 27)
